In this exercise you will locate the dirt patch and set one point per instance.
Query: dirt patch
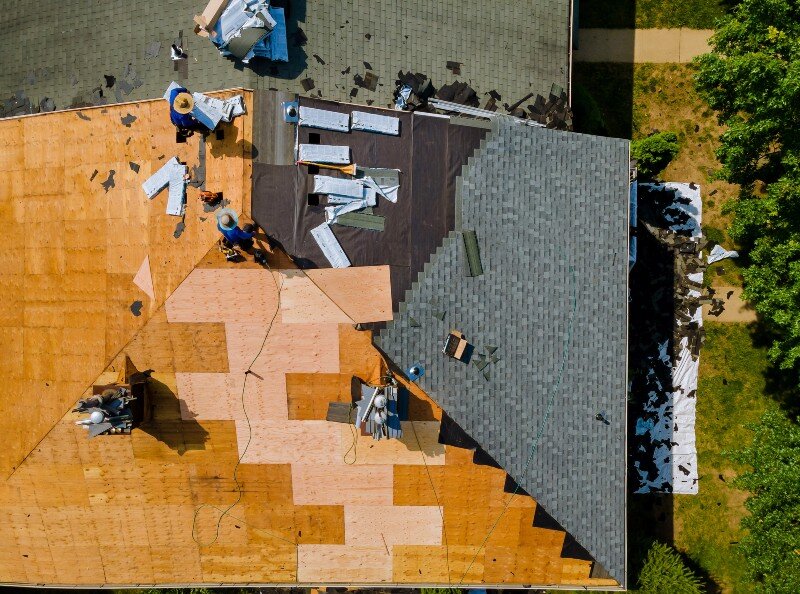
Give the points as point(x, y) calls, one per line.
point(736, 308)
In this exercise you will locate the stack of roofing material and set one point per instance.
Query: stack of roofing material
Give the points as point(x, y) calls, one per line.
point(210, 111)
point(172, 174)
point(251, 28)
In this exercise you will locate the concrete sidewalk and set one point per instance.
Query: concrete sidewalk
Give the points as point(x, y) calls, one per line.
point(641, 45)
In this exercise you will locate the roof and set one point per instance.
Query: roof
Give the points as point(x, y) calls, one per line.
point(69, 58)
point(304, 485)
point(76, 244)
point(550, 210)
point(429, 154)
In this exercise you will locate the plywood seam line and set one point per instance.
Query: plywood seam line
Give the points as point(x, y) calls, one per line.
point(438, 504)
point(249, 425)
point(111, 360)
point(548, 410)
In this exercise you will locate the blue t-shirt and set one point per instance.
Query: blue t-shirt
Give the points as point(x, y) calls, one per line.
point(182, 120)
point(235, 235)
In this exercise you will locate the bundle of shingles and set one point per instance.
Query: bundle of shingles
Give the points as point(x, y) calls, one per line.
point(553, 112)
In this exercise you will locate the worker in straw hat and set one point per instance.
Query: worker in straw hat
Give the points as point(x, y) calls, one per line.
point(228, 225)
point(181, 104)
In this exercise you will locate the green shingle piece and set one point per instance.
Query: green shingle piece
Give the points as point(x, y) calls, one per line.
point(361, 220)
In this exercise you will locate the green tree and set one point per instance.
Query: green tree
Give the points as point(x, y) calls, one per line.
point(752, 79)
point(664, 572)
point(654, 153)
point(772, 542)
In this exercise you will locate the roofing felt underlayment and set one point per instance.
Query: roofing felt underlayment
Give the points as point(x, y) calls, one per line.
point(429, 152)
point(545, 391)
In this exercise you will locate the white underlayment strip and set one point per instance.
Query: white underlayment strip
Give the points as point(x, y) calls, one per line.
point(159, 180)
point(371, 122)
point(325, 153)
point(177, 191)
point(330, 246)
point(675, 417)
point(324, 119)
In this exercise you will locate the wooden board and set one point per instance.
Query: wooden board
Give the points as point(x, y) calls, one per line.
point(308, 394)
point(363, 292)
point(307, 508)
point(74, 248)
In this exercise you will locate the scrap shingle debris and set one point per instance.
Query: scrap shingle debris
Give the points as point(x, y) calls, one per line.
point(127, 120)
point(454, 67)
point(458, 92)
point(553, 112)
point(412, 90)
point(109, 183)
point(17, 104)
point(152, 50)
point(667, 296)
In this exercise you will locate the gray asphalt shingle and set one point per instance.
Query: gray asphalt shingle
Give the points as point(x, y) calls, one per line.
point(551, 214)
point(513, 47)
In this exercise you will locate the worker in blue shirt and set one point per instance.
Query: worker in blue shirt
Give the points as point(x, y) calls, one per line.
point(181, 104)
point(228, 225)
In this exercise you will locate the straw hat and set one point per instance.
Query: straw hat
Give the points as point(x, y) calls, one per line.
point(227, 218)
point(183, 104)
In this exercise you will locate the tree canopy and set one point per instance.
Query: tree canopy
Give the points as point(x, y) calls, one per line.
point(752, 79)
point(772, 542)
point(653, 153)
point(665, 572)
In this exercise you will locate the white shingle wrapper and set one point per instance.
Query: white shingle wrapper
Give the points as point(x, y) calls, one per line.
point(330, 246)
point(371, 122)
point(324, 119)
point(325, 153)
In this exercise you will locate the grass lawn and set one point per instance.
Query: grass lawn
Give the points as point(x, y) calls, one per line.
point(636, 100)
point(730, 394)
point(645, 14)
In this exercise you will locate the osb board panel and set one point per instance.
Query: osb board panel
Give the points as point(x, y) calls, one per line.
point(258, 564)
point(418, 485)
point(182, 347)
point(419, 444)
point(363, 292)
point(73, 266)
point(358, 356)
point(374, 525)
point(302, 301)
point(346, 485)
point(319, 524)
point(526, 564)
point(343, 564)
point(437, 564)
point(290, 442)
point(308, 394)
point(212, 295)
